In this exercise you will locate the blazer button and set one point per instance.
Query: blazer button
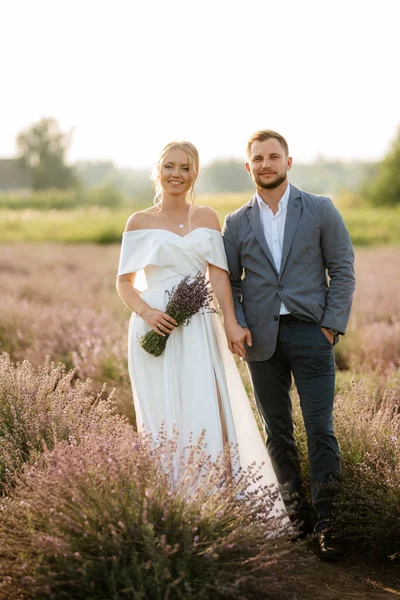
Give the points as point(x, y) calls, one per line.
point(276, 318)
point(280, 287)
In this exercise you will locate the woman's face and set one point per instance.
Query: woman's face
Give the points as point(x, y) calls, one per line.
point(175, 177)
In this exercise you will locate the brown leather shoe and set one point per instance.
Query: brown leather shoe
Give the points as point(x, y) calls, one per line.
point(329, 548)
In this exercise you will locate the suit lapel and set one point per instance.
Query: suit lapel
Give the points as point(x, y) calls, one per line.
point(255, 222)
point(292, 219)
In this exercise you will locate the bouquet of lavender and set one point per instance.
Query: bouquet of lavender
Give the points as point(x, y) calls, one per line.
point(186, 299)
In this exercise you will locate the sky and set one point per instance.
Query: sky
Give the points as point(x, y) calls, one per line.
point(129, 76)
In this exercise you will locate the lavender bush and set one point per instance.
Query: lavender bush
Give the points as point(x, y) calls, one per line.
point(39, 408)
point(371, 347)
point(101, 520)
point(186, 299)
point(62, 303)
point(367, 514)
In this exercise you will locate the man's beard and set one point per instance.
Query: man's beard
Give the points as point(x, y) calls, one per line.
point(272, 184)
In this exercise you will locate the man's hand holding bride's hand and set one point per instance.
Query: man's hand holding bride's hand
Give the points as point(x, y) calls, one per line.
point(158, 320)
point(237, 336)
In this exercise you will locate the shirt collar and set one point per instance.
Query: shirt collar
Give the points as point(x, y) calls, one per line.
point(282, 204)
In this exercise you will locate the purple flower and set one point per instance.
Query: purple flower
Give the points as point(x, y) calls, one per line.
point(186, 299)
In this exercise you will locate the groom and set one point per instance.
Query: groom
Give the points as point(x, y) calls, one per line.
point(281, 246)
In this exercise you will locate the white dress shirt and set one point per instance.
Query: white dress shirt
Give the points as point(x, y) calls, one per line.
point(274, 228)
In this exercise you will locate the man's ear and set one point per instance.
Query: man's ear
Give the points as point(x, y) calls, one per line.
point(289, 162)
point(247, 167)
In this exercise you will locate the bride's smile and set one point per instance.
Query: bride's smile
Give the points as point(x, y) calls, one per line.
point(175, 175)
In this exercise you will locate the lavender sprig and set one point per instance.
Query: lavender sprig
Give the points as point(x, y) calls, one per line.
point(186, 299)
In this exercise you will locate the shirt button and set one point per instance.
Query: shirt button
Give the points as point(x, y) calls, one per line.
point(276, 318)
point(280, 287)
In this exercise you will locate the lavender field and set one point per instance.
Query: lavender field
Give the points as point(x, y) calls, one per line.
point(60, 302)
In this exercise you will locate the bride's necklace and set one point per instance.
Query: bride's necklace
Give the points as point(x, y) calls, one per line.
point(181, 223)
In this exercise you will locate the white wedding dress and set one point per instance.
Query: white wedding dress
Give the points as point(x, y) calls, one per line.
point(180, 388)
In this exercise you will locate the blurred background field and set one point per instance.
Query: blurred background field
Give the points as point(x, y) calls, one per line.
point(60, 300)
point(45, 199)
point(99, 216)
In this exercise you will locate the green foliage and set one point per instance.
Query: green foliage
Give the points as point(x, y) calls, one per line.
point(131, 182)
point(107, 196)
point(99, 216)
point(371, 227)
point(320, 177)
point(64, 200)
point(42, 149)
point(328, 177)
point(95, 173)
point(384, 188)
point(227, 175)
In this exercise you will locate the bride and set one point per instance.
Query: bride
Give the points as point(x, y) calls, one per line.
point(194, 385)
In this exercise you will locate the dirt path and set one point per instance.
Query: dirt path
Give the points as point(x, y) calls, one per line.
point(352, 580)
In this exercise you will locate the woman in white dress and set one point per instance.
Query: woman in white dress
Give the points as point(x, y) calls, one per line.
point(194, 385)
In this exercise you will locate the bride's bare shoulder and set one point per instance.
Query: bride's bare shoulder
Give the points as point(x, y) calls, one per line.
point(205, 216)
point(142, 219)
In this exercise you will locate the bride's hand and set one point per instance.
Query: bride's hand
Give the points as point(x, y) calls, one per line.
point(237, 336)
point(158, 320)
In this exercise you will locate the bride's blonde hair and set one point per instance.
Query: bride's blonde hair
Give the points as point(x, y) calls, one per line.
point(193, 162)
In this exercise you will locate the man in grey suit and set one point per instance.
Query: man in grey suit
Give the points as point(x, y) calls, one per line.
point(281, 246)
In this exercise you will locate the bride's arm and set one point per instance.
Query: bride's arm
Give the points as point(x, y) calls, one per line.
point(158, 320)
point(129, 295)
point(235, 334)
point(219, 279)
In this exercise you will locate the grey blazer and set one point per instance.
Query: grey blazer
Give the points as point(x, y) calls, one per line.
point(316, 244)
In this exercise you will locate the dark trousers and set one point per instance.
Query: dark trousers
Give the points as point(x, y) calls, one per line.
point(304, 351)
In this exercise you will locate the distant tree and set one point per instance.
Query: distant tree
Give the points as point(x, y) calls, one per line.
point(323, 176)
point(227, 175)
point(95, 173)
point(41, 150)
point(384, 187)
point(330, 177)
point(134, 183)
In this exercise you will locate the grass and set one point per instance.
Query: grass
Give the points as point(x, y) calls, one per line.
point(96, 221)
point(88, 225)
point(62, 199)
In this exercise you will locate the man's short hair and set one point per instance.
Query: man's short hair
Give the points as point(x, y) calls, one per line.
point(266, 134)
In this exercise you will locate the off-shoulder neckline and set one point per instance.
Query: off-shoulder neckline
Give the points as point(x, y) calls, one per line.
point(172, 232)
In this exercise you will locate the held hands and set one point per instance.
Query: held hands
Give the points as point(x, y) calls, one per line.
point(237, 336)
point(158, 320)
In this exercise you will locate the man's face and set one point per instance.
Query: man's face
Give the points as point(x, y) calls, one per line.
point(268, 164)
